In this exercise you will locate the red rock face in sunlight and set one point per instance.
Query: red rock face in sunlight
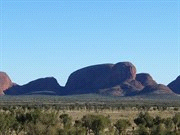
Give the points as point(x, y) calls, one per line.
point(5, 82)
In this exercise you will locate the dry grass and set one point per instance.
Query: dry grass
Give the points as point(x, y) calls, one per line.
point(121, 114)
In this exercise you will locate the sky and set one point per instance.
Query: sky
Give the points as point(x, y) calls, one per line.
point(44, 38)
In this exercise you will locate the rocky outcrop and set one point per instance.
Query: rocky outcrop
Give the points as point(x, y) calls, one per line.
point(92, 77)
point(121, 72)
point(126, 88)
point(156, 89)
point(107, 79)
point(131, 88)
point(44, 86)
point(103, 76)
point(113, 91)
point(113, 79)
point(5, 82)
point(151, 86)
point(175, 85)
point(145, 79)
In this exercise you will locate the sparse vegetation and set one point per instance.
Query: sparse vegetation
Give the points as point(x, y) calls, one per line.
point(53, 122)
point(113, 117)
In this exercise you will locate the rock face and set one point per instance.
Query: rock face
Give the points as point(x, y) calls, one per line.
point(92, 77)
point(97, 77)
point(145, 79)
point(107, 79)
point(156, 89)
point(131, 88)
point(126, 88)
point(175, 85)
point(113, 79)
point(44, 86)
point(113, 91)
point(5, 82)
point(121, 72)
point(151, 86)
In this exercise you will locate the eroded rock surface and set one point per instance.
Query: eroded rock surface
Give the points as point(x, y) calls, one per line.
point(5, 82)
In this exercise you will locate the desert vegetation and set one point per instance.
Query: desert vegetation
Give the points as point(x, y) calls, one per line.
point(89, 119)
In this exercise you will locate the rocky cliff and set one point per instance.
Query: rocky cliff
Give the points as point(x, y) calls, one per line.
point(5, 82)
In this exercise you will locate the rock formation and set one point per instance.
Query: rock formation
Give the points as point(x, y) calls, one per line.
point(121, 72)
point(47, 85)
point(113, 91)
point(175, 85)
point(5, 82)
point(113, 79)
point(145, 79)
point(107, 79)
point(151, 86)
point(103, 76)
point(92, 77)
point(156, 89)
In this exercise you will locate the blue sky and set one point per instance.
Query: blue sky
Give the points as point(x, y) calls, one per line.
point(41, 38)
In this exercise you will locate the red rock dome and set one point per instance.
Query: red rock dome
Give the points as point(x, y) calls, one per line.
point(5, 82)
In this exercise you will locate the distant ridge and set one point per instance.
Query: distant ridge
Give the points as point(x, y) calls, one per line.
point(45, 86)
point(118, 79)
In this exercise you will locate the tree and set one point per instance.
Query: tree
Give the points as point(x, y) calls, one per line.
point(35, 115)
point(43, 123)
point(6, 123)
point(87, 122)
point(176, 120)
point(96, 123)
point(22, 120)
point(157, 120)
point(168, 122)
point(66, 120)
point(142, 130)
point(17, 127)
point(121, 125)
point(99, 123)
point(159, 130)
point(79, 130)
point(144, 119)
